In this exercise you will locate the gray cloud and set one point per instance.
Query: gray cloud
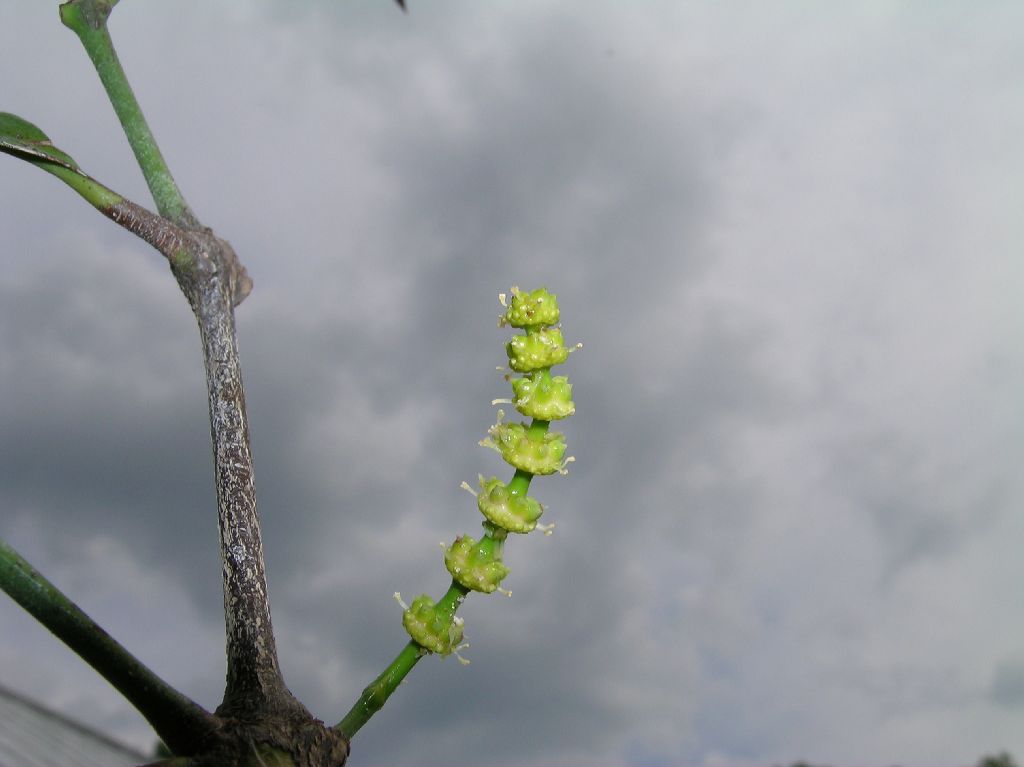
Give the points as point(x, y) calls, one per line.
point(1008, 684)
point(787, 239)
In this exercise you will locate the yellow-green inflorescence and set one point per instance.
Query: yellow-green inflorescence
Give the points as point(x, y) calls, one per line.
point(530, 448)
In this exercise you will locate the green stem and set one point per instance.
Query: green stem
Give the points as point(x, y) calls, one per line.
point(181, 723)
point(379, 690)
point(88, 20)
point(520, 482)
point(452, 598)
point(538, 428)
point(94, 193)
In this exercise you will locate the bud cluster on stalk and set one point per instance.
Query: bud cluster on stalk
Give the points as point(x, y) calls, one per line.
point(530, 448)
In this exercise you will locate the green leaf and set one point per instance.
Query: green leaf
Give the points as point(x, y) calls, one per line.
point(22, 139)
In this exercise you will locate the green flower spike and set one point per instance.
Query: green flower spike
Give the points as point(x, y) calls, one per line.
point(534, 309)
point(526, 448)
point(476, 564)
point(432, 629)
point(504, 507)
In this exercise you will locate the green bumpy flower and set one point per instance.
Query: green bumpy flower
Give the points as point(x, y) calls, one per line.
point(476, 564)
point(543, 396)
point(512, 511)
point(433, 629)
point(524, 448)
point(535, 350)
point(533, 309)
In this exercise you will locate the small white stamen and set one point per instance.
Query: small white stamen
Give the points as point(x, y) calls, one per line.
point(398, 598)
point(506, 592)
point(465, 486)
point(546, 529)
point(501, 401)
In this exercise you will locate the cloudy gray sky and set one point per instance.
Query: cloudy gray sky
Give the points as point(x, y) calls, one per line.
point(789, 235)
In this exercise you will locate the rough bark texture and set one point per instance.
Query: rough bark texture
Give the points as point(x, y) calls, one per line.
point(262, 722)
point(299, 740)
point(210, 280)
point(157, 231)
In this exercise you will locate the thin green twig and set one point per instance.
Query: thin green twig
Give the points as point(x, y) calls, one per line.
point(88, 20)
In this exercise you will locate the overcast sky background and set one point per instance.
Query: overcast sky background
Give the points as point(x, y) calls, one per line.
point(788, 234)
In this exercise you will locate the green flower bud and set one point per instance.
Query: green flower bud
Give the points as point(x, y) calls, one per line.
point(475, 564)
point(533, 351)
point(539, 395)
point(512, 511)
point(527, 449)
point(434, 630)
point(533, 309)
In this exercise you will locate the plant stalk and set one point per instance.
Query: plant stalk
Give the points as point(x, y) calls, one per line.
point(376, 694)
point(88, 20)
point(180, 722)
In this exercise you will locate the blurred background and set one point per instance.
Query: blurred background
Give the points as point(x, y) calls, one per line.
point(788, 234)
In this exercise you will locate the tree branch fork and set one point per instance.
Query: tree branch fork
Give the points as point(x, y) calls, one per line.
point(259, 722)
